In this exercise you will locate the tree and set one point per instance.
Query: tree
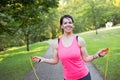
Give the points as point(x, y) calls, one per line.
point(91, 14)
point(24, 13)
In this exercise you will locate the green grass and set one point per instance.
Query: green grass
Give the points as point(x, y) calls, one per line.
point(106, 38)
point(15, 62)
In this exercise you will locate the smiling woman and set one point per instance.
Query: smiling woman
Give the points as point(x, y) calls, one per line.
point(67, 26)
point(71, 51)
point(67, 23)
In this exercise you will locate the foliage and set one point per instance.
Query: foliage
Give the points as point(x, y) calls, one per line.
point(24, 16)
point(29, 21)
point(91, 14)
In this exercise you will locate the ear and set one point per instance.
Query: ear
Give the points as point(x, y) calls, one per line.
point(73, 26)
point(61, 27)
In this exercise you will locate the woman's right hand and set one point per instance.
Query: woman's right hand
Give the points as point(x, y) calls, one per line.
point(38, 59)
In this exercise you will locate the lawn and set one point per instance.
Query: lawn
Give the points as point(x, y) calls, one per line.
point(15, 62)
point(106, 38)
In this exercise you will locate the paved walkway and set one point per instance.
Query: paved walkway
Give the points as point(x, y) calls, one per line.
point(54, 72)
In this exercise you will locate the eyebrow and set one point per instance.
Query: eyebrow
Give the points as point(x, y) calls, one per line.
point(68, 22)
point(69, 19)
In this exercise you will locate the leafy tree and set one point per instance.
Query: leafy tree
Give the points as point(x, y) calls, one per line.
point(91, 14)
point(23, 15)
point(52, 21)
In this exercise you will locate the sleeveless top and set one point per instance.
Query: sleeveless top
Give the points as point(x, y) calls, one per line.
point(73, 65)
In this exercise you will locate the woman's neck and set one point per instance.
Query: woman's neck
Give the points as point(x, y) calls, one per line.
point(68, 34)
point(67, 39)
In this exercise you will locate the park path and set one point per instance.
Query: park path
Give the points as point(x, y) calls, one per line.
point(54, 72)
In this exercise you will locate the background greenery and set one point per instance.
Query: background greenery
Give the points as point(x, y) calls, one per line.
point(29, 21)
point(26, 23)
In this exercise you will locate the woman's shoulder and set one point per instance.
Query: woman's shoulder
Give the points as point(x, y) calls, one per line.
point(81, 41)
point(55, 43)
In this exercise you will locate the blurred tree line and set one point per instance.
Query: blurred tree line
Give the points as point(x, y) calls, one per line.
point(29, 21)
point(25, 21)
point(91, 14)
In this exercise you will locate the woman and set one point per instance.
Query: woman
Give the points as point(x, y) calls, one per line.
point(71, 51)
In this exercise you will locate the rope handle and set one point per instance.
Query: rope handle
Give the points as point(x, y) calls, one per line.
point(103, 52)
point(34, 58)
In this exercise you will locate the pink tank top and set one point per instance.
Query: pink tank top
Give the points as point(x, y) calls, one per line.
point(73, 66)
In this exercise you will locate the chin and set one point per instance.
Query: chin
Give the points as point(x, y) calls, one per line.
point(68, 32)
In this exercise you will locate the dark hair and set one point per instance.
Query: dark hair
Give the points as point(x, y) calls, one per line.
point(65, 16)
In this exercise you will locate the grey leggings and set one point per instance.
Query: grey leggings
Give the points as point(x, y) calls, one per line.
point(87, 77)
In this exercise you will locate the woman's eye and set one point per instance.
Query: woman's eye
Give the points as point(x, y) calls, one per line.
point(65, 23)
point(70, 22)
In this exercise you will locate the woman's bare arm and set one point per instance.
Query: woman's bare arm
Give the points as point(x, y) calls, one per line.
point(54, 59)
point(85, 56)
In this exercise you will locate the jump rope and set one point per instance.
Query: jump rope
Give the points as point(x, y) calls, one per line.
point(34, 70)
point(33, 58)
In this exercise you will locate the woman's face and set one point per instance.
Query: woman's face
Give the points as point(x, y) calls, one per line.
point(67, 25)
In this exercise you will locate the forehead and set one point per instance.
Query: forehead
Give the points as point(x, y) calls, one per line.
point(67, 19)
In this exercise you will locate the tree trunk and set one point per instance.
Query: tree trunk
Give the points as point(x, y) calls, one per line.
point(1, 46)
point(96, 30)
point(27, 41)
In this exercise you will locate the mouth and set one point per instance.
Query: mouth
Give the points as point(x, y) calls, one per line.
point(68, 28)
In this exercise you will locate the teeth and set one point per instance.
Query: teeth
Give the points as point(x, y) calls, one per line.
point(68, 27)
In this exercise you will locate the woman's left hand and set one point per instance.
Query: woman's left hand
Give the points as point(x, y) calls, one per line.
point(102, 52)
